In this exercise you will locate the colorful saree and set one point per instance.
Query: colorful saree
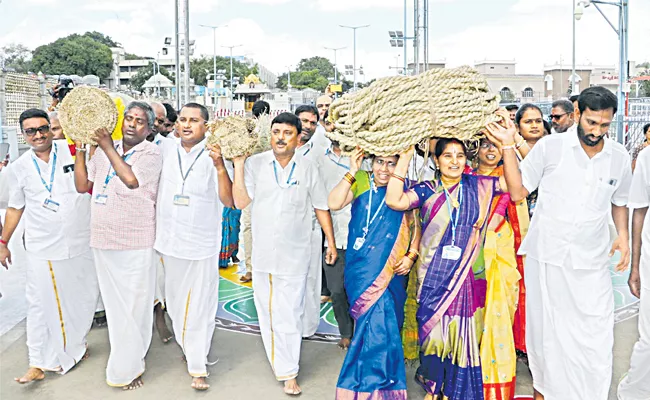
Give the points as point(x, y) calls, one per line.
point(452, 292)
point(505, 296)
point(229, 235)
point(374, 364)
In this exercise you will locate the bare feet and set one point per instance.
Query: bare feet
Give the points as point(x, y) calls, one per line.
point(344, 343)
point(86, 354)
point(246, 278)
point(136, 383)
point(199, 383)
point(161, 324)
point(291, 387)
point(32, 374)
point(325, 299)
point(538, 396)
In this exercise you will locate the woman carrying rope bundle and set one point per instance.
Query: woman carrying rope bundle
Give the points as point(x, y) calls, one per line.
point(382, 247)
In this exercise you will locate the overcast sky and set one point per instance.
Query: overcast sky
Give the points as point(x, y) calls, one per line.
point(278, 33)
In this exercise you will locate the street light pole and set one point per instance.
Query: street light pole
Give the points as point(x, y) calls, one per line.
point(232, 92)
point(177, 50)
point(354, 30)
point(335, 49)
point(186, 81)
point(214, 62)
point(573, 65)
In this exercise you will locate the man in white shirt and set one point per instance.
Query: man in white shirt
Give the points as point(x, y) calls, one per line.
point(159, 130)
point(582, 180)
point(283, 188)
point(332, 166)
point(194, 186)
point(636, 384)
point(62, 285)
point(562, 113)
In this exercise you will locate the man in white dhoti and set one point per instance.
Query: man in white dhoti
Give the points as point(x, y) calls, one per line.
point(194, 186)
point(122, 234)
point(636, 384)
point(309, 118)
point(284, 188)
point(582, 180)
point(61, 286)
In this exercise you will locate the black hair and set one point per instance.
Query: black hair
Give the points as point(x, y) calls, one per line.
point(289, 119)
point(547, 126)
point(309, 109)
point(441, 145)
point(566, 105)
point(204, 111)
point(597, 98)
point(260, 107)
point(172, 116)
point(645, 128)
point(32, 113)
point(523, 109)
point(512, 107)
point(574, 98)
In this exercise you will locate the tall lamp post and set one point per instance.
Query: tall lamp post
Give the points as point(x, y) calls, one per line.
point(232, 92)
point(214, 62)
point(622, 32)
point(335, 49)
point(354, 30)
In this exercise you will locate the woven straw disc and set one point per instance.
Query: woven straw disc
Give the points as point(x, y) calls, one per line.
point(84, 110)
point(235, 135)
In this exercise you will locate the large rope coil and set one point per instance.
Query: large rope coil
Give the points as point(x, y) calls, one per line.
point(395, 113)
point(84, 110)
point(238, 136)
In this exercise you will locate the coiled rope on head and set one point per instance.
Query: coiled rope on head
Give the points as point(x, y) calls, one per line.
point(395, 113)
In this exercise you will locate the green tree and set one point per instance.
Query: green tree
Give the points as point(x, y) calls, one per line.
point(321, 64)
point(201, 67)
point(143, 74)
point(74, 54)
point(17, 57)
point(101, 38)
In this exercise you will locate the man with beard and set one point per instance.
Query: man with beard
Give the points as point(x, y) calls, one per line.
point(582, 180)
point(283, 189)
point(122, 235)
point(562, 114)
point(309, 118)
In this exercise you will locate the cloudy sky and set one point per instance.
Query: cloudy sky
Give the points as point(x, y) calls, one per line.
point(278, 33)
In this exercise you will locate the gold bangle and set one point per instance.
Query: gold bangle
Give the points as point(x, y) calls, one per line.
point(401, 178)
point(349, 178)
point(412, 255)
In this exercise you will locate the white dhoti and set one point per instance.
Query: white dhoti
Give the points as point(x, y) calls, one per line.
point(127, 280)
point(636, 385)
point(160, 280)
point(311, 319)
point(192, 290)
point(61, 297)
point(570, 330)
point(279, 300)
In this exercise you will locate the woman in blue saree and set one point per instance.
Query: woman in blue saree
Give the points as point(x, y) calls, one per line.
point(382, 247)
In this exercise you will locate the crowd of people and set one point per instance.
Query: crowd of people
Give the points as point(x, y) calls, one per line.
point(463, 261)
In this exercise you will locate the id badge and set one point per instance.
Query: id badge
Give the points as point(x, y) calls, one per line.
point(358, 243)
point(181, 200)
point(451, 253)
point(51, 205)
point(101, 199)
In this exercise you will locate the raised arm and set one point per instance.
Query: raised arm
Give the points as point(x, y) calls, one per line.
point(225, 185)
point(396, 198)
point(239, 191)
point(81, 182)
point(342, 194)
point(122, 169)
point(511, 180)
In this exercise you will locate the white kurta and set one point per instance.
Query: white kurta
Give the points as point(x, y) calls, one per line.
point(189, 239)
point(636, 385)
point(570, 301)
point(62, 288)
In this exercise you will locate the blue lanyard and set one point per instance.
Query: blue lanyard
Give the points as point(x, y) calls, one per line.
point(110, 174)
point(275, 172)
point(38, 169)
point(329, 153)
point(368, 220)
point(180, 166)
point(309, 147)
point(454, 221)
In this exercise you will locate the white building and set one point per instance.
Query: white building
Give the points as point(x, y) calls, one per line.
point(512, 87)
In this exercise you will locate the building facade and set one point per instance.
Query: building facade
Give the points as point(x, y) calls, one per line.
point(502, 78)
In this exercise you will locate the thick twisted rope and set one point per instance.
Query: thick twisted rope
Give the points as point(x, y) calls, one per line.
point(395, 113)
point(84, 110)
point(238, 136)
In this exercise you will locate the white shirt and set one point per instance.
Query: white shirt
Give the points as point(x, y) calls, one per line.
point(573, 130)
point(50, 235)
point(159, 138)
point(188, 232)
point(332, 168)
point(281, 212)
point(416, 165)
point(319, 139)
point(640, 198)
point(570, 225)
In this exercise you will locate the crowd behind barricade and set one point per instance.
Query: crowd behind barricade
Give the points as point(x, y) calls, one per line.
point(464, 261)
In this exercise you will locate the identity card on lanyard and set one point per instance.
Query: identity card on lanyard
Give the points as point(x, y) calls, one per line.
point(48, 204)
point(182, 199)
point(102, 198)
point(453, 252)
point(358, 242)
point(289, 182)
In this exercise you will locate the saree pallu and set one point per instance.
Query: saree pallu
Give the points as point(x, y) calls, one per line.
point(229, 235)
point(374, 364)
point(452, 292)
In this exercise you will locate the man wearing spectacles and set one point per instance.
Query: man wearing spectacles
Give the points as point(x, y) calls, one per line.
point(562, 117)
point(62, 288)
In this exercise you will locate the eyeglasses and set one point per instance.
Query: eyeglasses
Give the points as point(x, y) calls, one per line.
point(557, 116)
point(488, 145)
point(41, 129)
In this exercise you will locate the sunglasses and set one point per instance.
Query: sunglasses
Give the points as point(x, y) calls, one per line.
point(557, 116)
point(41, 129)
